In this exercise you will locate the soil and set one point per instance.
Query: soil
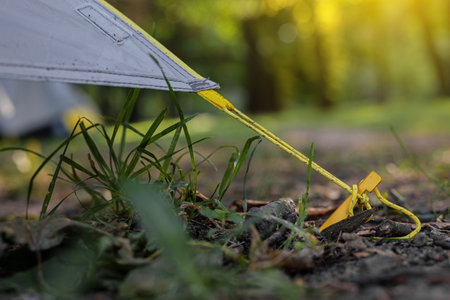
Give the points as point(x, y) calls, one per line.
point(352, 264)
point(355, 266)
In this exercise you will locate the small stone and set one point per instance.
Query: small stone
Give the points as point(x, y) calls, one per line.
point(420, 239)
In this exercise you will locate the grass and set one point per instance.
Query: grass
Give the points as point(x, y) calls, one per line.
point(144, 185)
point(301, 204)
point(303, 201)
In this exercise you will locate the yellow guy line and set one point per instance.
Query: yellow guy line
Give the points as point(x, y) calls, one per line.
point(220, 102)
point(224, 105)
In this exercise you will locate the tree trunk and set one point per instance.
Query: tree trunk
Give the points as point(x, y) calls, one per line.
point(436, 61)
point(261, 79)
point(379, 59)
point(323, 84)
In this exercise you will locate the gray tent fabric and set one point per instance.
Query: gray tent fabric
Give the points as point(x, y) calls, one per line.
point(26, 106)
point(87, 42)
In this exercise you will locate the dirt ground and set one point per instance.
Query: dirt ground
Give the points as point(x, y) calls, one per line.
point(357, 266)
point(353, 265)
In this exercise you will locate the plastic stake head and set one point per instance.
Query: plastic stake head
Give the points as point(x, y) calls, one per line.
point(368, 184)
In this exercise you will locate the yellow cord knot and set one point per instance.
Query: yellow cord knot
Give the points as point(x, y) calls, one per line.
point(361, 200)
point(364, 202)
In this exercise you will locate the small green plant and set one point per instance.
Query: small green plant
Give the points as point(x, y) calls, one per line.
point(302, 202)
point(101, 179)
point(108, 170)
point(244, 194)
point(235, 162)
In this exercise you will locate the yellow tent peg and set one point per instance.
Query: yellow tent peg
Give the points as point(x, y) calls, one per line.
point(368, 184)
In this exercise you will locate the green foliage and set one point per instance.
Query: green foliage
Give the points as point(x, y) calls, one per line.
point(302, 201)
point(346, 51)
point(107, 170)
point(234, 165)
point(244, 196)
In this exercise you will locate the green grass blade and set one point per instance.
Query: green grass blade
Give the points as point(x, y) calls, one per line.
point(64, 145)
point(129, 104)
point(207, 158)
point(22, 149)
point(59, 204)
point(76, 165)
point(244, 192)
point(114, 162)
point(50, 190)
point(95, 151)
point(171, 128)
point(226, 178)
point(235, 163)
point(244, 153)
point(170, 151)
point(303, 201)
point(52, 184)
point(96, 196)
point(38, 170)
point(154, 162)
point(144, 142)
point(163, 132)
point(130, 127)
point(155, 124)
point(185, 129)
point(74, 176)
point(130, 108)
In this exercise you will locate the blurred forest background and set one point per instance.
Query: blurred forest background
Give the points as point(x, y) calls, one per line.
point(270, 55)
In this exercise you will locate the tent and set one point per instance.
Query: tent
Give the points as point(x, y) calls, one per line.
point(90, 42)
point(29, 106)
